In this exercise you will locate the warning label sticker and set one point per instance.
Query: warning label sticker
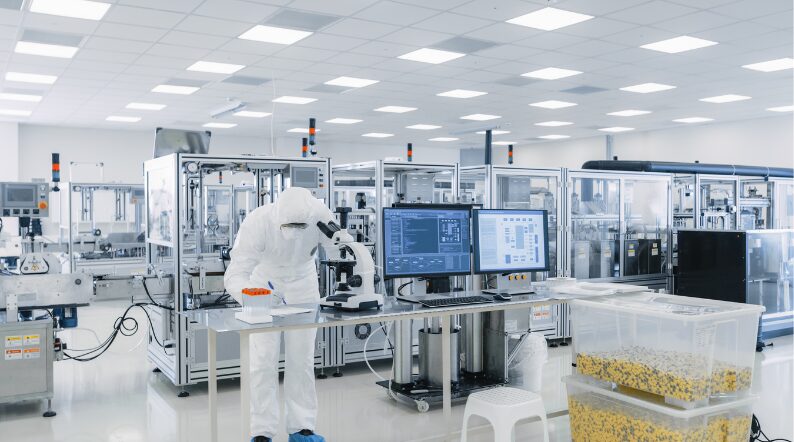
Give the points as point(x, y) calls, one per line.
point(32, 339)
point(13, 341)
point(32, 353)
point(13, 355)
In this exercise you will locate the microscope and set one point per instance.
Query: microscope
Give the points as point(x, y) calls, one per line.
point(354, 269)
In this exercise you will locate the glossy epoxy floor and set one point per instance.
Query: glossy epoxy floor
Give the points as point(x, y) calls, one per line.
point(117, 398)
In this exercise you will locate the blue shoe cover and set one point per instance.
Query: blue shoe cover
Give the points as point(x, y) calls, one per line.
point(305, 436)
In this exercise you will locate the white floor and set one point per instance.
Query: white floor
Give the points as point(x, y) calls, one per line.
point(117, 398)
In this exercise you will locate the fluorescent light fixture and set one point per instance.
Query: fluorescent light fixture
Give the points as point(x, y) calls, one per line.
point(727, 98)
point(351, 82)
point(20, 97)
point(23, 77)
point(679, 44)
point(215, 68)
point(220, 125)
point(343, 121)
point(461, 93)
point(616, 129)
point(146, 106)
point(494, 132)
point(629, 113)
point(15, 112)
point(690, 120)
point(45, 50)
point(288, 99)
point(423, 127)
point(646, 88)
point(395, 109)
point(503, 143)
point(480, 117)
point(173, 89)
point(251, 114)
point(272, 34)
point(301, 130)
point(554, 137)
point(432, 56)
point(772, 65)
point(377, 135)
point(443, 139)
point(551, 73)
point(71, 8)
point(549, 19)
point(119, 119)
point(788, 108)
point(554, 123)
point(552, 104)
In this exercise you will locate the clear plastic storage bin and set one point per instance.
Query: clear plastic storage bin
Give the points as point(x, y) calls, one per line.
point(603, 415)
point(687, 350)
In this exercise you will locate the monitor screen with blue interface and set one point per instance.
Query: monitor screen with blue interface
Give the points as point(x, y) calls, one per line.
point(426, 241)
point(511, 241)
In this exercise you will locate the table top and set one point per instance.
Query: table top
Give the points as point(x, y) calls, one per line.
point(223, 320)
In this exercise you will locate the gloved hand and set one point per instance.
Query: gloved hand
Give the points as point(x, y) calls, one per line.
point(305, 436)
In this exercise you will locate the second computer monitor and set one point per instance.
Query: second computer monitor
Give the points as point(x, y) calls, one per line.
point(511, 241)
point(426, 241)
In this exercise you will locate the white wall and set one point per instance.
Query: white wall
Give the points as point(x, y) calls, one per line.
point(759, 142)
point(9, 158)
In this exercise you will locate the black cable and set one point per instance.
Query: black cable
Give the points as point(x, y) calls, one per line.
point(385, 333)
point(400, 288)
point(124, 325)
point(756, 433)
point(146, 289)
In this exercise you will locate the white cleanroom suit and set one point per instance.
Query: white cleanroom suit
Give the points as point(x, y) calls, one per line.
point(276, 244)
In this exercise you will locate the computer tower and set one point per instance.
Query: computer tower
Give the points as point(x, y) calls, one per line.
point(650, 255)
point(631, 259)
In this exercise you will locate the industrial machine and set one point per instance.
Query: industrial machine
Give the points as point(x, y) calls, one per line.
point(766, 203)
point(619, 227)
point(366, 188)
point(36, 301)
point(751, 266)
point(194, 206)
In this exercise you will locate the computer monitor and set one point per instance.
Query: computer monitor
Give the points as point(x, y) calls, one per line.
point(511, 241)
point(430, 242)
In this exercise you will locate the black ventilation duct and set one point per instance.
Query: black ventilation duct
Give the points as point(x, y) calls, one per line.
point(671, 167)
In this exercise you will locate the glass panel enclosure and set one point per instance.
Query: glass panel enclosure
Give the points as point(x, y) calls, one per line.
point(646, 214)
point(783, 205)
point(683, 202)
point(594, 204)
point(718, 202)
point(756, 204)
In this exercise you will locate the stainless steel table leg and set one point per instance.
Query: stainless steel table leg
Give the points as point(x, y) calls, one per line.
point(446, 368)
point(245, 385)
point(212, 382)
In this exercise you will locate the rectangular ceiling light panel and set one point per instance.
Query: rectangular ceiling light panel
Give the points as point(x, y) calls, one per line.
point(549, 19)
point(88, 10)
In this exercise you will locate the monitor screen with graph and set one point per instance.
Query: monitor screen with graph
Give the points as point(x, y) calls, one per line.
point(511, 241)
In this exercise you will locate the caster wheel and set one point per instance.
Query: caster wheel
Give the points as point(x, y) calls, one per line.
point(338, 374)
point(49, 414)
point(422, 406)
point(553, 345)
point(322, 376)
point(564, 344)
point(183, 394)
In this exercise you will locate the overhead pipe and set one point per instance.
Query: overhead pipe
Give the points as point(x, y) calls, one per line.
point(673, 167)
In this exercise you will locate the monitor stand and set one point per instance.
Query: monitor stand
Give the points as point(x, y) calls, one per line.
point(438, 285)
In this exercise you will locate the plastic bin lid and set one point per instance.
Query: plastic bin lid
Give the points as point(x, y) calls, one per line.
point(680, 308)
point(660, 406)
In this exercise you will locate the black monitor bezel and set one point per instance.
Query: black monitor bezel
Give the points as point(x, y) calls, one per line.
point(475, 226)
point(434, 207)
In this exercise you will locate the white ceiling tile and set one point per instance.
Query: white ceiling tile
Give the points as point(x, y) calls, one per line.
point(9, 17)
point(352, 59)
point(395, 13)
point(353, 27)
point(235, 10)
point(453, 23)
point(780, 21)
point(225, 56)
point(130, 32)
point(639, 36)
point(592, 48)
point(61, 24)
point(603, 8)
point(496, 10)
point(167, 5)
point(335, 7)
point(142, 17)
point(696, 22)
point(442, 5)
point(182, 52)
point(551, 40)
point(306, 53)
point(745, 9)
point(385, 49)
point(509, 52)
point(652, 12)
point(103, 55)
point(597, 28)
point(115, 44)
point(178, 65)
point(734, 32)
point(503, 33)
point(415, 37)
point(283, 64)
point(251, 47)
point(192, 39)
point(213, 26)
point(331, 42)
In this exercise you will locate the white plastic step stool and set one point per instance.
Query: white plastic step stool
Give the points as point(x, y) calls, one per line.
point(503, 407)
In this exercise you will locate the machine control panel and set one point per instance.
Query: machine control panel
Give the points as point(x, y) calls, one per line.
point(25, 199)
point(309, 177)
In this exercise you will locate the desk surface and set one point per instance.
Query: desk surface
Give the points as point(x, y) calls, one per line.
point(223, 320)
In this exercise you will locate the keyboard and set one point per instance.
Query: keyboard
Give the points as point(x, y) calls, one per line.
point(446, 302)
